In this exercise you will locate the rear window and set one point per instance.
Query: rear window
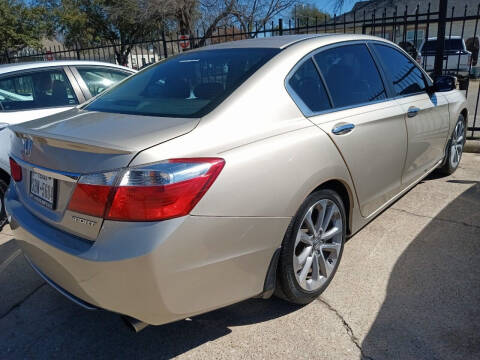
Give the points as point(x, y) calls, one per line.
point(187, 85)
point(98, 78)
point(450, 44)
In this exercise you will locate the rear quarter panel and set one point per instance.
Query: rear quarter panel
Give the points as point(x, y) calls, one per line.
point(456, 104)
point(272, 177)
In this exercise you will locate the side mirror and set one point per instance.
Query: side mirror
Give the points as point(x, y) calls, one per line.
point(444, 83)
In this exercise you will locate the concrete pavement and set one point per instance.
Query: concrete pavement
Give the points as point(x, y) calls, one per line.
point(408, 287)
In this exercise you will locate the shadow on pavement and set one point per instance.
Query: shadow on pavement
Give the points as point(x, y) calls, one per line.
point(432, 307)
point(50, 326)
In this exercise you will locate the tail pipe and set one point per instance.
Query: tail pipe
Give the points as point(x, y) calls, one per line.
point(134, 324)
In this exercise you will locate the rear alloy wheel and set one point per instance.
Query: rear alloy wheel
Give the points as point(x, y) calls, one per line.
point(312, 247)
point(455, 148)
point(3, 213)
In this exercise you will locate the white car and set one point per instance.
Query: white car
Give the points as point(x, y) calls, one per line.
point(456, 55)
point(33, 90)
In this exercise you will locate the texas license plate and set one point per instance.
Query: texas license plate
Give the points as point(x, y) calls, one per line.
point(42, 189)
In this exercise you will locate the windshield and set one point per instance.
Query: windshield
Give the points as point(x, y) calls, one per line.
point(187, 85)
point(450, 44)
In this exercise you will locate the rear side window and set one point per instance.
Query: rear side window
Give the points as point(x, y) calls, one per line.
point(406, 77)
point(430, 46)
point(98, 78)
point(351, 75)
point(36, 90)
point(308, 86)
point(188, 85)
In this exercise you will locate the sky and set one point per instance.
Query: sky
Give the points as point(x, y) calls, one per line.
point(329, 5)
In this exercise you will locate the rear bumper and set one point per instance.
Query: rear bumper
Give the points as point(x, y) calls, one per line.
point(156, 272)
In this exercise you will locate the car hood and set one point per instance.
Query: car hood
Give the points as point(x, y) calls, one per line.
point(84, 141)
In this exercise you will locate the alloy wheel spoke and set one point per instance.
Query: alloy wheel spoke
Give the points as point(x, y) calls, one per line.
point(332, 248)
point(306, 269)
point(325, 266)
point(299, 261)
point(459, 148)
point(306, 239)
point(453, 153)
point(321, 215)
point(331, 233)
point(309, 222)
point(315, 267)
point(328, 217)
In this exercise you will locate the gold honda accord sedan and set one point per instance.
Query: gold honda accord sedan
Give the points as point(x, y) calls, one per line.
point(228, 172)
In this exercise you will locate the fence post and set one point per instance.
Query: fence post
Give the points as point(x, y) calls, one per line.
point(280, 26)
point(442, 24)
point(165, 52)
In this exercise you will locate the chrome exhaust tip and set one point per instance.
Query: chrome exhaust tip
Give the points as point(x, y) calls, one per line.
point(134, 324)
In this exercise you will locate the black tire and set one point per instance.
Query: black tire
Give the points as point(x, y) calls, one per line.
point(450, 166)
point(3, 214)
point(288, 287)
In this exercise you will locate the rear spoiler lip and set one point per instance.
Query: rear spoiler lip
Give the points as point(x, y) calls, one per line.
point(69, 143)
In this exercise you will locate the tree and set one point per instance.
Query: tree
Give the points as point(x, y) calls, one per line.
point(119, 22)
point(22, 25)
point(308, 14)
point(251, 14)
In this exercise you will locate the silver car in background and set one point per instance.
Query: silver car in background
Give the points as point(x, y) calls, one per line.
point(228, 172)
point(36, 89)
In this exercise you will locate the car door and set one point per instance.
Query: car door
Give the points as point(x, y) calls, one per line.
point(94, 79)
point(426, 114)
point(30, 94)
point(367, 127)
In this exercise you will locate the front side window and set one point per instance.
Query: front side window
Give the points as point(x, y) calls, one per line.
point(351, 75)
point(308, 86)
point(188, 85)
point(36, 90)
point(406, 77)
point(98, 78)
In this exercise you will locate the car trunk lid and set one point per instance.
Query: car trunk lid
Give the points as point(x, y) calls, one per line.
point(55, 151)
point(84, 142)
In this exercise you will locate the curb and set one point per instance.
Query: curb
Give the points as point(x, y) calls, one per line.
point(472, 146)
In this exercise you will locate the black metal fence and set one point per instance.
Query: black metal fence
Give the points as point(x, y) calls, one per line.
point(409, 27)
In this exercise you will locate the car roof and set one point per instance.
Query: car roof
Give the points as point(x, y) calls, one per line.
point(446, 37)
point(284, 41)
point(6, 68)
point(278, 42)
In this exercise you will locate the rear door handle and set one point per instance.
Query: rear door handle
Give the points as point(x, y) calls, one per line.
point(412, 111)
point(343, 129)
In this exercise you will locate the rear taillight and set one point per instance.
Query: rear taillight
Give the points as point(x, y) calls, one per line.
point(15, 170)
point(92, 193)
point(160, 191)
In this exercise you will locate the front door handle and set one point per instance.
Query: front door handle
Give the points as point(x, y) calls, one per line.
point(412, 111)
point(343, 129)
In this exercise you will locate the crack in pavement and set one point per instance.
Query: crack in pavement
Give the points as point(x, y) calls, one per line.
point(20, 303)
point(347, 327)
point(436, 218)
point(7, 262)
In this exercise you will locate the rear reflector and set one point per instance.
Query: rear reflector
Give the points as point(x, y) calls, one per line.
point(160, 191)
point(15, 170)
